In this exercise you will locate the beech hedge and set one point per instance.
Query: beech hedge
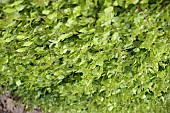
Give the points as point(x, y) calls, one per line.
point(87, 56)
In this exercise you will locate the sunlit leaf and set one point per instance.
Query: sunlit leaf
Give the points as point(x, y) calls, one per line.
point(9, 10)
point(21, 49)
point(18, 82)
point(27, 43)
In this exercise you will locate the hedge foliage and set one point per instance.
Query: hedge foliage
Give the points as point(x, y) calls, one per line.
point(94, 56)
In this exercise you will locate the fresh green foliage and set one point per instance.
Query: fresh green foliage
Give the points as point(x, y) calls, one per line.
point(94, 56)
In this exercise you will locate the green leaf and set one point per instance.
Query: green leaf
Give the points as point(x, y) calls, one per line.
point(20, 68)
point(21, 37)
point(60, 77)
point(136, 50)
point(9, 39)
point(99, 62)
point(128, 2)
point(77, 11)
point(21, 49)
point(18, 82)
point(16, 3)
point(20, 7)
point(46, 12)
point(13, 16)
point(71, 22)
point(9, 10)
point(28, 43)
point(144, 45)
point(115, 3)
point(110, 108)
point(64, 36)
point(3, 23)
point(108, 10)
point(52, 16)
point(3, 60)
point(144, 1)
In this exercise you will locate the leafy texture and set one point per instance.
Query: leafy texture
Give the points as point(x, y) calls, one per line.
point(94, 56)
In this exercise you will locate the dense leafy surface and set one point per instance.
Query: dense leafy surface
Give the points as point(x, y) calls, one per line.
point(87, 55)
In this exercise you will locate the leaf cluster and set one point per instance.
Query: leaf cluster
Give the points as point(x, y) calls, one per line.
point(96, 56)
